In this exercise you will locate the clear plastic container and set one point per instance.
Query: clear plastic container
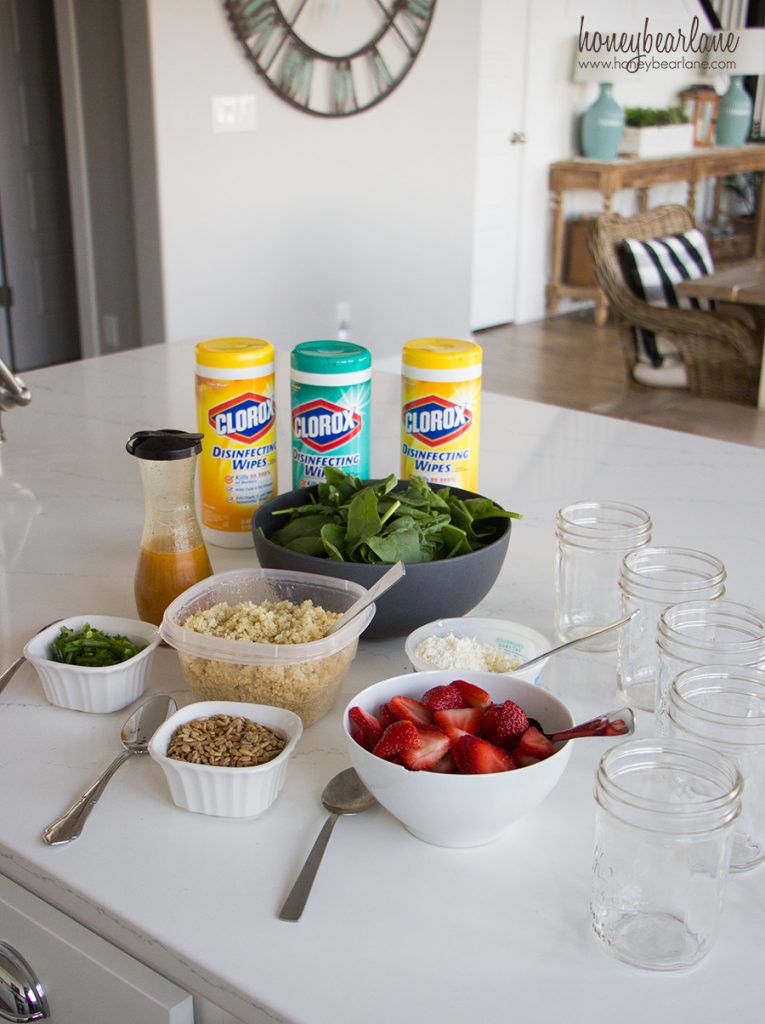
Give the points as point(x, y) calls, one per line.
point(724, 707)
point(666, 812)
point(593, 537)
point(650, 580)
point(304, 678)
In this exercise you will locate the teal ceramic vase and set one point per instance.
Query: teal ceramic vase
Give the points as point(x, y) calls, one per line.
point(734, 115)
point(603, 126)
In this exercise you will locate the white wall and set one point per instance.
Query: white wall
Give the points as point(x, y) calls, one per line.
point(553, 105)
point(264, 233)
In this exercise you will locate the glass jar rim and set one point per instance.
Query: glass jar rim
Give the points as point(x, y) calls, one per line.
point(630, 526)
point(746, 681)
point(705, 815)
point(721, 613)
point(641, 569)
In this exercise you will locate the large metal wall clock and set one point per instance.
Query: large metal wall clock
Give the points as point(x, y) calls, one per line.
point(331, 58)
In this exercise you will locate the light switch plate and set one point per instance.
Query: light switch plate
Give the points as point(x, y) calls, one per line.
point(233, 113)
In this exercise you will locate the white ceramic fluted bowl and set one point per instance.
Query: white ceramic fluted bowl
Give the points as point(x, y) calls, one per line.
point(94, 689)
point(460, 810)
point(220, 791)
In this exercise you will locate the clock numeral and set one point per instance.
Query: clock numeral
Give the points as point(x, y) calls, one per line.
point(378, 71)
point(255, 23)
point(343, 92)
point(416, 15)
point(295, 74)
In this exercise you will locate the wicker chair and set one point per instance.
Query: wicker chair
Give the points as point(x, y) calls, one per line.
point(721, 349)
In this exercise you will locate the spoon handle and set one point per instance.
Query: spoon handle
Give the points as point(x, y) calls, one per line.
point(296, 901)
point(577, 640)
point(6, 677)
point(70, 824)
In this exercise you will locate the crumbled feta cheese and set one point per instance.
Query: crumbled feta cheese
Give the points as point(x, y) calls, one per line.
point(464, 652)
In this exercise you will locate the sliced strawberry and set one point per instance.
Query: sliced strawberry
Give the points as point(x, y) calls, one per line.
point(502, 724)
point(533, 746)
point(433, 746)
point(411, 709)
point(474, 696)
point(443, 697)
point(458, 721)
point(365, 728)
point(386, 716)
point(475, 756)
point(447, 765)
point(396, 738)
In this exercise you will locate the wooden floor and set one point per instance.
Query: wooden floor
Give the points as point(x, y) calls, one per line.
point(568, 361)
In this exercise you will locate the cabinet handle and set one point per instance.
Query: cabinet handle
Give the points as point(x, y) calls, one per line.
point(22, 996)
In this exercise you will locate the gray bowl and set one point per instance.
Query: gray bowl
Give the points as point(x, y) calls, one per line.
point(428, 591)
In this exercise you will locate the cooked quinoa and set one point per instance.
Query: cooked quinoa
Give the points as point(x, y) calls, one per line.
point(309, 687)
point(270, 622)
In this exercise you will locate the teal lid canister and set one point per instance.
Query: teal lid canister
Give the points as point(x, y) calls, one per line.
point(331, 399)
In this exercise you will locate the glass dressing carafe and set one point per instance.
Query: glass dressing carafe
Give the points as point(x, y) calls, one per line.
point(173, 555)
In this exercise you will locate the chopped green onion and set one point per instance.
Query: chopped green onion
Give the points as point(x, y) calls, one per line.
point(91, 648)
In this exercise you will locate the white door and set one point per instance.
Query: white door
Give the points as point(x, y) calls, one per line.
point(35, 230)
point(500, 145)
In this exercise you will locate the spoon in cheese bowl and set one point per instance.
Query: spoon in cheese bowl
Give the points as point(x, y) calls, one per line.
point(577, 640)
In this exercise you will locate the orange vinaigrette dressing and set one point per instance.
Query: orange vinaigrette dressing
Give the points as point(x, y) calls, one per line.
point(164, 574)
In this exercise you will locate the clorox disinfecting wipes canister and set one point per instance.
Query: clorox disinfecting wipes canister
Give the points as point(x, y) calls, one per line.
point(331, 389)
point(441, 411)
point(235, 412)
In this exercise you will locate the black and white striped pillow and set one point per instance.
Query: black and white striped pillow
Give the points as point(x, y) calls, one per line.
point(652, 269)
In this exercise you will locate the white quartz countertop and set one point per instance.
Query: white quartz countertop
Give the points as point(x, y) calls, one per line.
point(395, 929)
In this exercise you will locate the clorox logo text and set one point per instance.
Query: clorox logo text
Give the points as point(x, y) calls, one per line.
point(245, 418)
point(322, 426)
point(436, 421)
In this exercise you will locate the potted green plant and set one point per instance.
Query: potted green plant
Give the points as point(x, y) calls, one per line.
point(656, 132)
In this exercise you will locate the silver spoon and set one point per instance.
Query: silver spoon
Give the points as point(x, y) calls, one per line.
point(135, 736)
point(6, 677)
point(577, 640)
point(386, 581)
point(344, 794)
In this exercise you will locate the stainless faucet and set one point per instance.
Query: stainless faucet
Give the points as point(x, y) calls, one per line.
point(13, 392)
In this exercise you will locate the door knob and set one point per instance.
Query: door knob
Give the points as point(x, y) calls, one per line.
point(22, 997)
point(517, 138)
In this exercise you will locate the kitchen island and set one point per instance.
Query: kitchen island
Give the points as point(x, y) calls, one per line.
point(395, 929)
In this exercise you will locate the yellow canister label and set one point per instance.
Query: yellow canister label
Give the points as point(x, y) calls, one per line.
point(441, 411)
point(236, 414)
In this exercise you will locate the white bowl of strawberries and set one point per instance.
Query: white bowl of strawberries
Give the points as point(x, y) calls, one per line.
point(457, 761)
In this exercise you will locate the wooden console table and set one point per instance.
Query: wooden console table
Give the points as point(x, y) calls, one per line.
point(611, 176)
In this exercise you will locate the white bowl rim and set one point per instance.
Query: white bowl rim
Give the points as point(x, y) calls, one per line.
point(441, 627)
point(241, 652)
point(106, 623)
point(207, 708)
point(435, 677)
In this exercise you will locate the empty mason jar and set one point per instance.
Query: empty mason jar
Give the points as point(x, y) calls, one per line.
point(650, 580)
point(705, 633)
point(724, 707)
point(666, 811)
point(593, 537)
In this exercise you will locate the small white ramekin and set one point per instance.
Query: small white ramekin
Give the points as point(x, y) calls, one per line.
point(94, 689)
point(227, 792)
